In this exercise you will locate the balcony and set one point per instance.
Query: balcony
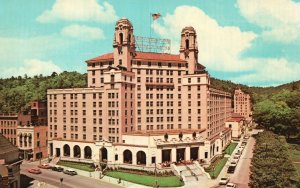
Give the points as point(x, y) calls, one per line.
point(158, 84)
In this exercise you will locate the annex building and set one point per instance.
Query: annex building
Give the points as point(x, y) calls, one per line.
point(140, 109)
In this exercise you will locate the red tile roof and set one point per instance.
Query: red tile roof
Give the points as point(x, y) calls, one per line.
point(235, 119)
point(108, 56)
point(143, 56)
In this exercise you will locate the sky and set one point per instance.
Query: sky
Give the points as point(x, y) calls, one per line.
point(255, 42)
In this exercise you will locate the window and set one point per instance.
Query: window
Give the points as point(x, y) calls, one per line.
point(189, 80)
point(120, 61)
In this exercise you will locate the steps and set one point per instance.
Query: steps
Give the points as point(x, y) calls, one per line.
point(190, 172)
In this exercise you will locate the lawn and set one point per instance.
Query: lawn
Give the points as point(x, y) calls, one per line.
point(77, 165)
point(218, 168)
point(170, 181)
point(230, 148)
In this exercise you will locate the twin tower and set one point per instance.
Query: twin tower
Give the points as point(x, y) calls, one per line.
point(124, 45)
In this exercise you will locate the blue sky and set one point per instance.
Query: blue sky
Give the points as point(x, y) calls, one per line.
point(251, 42)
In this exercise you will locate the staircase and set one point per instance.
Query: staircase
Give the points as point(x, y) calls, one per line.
point(54, 161)
point(190, 172)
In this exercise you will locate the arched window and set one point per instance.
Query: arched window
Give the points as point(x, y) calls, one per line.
point(76, 151)
point(141, 158)
point(127, 156)
point(129, 38)
point(66, 150)
point(87, 152)
point(121, 38)
point(187, 44)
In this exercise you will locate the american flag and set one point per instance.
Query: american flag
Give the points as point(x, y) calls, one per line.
point(156, 16)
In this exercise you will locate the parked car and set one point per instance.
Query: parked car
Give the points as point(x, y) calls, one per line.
point(231, 185)
point(231, 169)
point(44, 166)
point(34, 171)
point(70, 172)
point(224, 181)
point(246, 137)
point(233, 163)
point(58, 169)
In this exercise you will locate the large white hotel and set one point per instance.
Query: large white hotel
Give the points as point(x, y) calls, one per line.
point(140, 108)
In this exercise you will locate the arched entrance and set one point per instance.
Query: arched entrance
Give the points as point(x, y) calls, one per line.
point(67, 150)
point(87, 152)
point(76, 151)
point(141, 158)
point(127, 156)
point(103, 154)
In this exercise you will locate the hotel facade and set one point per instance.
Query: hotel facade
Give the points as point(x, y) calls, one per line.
point(140, 108)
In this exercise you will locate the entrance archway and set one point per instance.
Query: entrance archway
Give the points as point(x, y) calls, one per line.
point(194, 153)
point(87, 152)
point(141, 158)
point(166, 155)
point(103, 154)
point(67, 150)
point(180, 154)
point(76, 151)
point(127, 156)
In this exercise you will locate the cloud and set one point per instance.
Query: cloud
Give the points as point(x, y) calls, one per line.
point(270, 71)
point(219, 46)
point(31, 67)
point(83, 32)
point(79, 10)
point(279, 19)
point(14, 50)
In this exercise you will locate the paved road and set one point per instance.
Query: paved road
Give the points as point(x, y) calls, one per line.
point(53, 178)
point(242, 173)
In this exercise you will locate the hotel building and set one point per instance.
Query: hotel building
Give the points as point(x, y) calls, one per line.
point(140, 108)
point(242, 104)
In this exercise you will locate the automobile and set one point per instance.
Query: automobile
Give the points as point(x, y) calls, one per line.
point(224, 181)
point(233, 163)
point(231, 169)
point(235, 159)
point(246, 137)
point(70, 172)
point(44, 166)
point(34, 171)
point(57, 168)
point(231, 185)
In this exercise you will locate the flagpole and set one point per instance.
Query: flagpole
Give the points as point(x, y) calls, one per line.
point(150, 23)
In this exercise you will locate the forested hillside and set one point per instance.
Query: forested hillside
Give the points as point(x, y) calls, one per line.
point(17, 92)
point(275, 108)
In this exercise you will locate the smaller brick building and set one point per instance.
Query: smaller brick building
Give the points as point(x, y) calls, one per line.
point(27, 130)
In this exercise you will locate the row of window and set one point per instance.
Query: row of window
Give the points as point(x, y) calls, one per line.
point(8, 131)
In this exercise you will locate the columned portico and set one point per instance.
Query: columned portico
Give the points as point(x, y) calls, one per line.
point(188, 153)
point(173, 154)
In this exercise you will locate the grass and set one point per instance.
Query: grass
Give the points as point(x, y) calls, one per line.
point(229, 150)
point(294, 153)
point(77, 165)
point(170, 181)
point(218, 168)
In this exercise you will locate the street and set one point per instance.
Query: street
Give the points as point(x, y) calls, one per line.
point(51, 177)
point(241, 176)
point(242, 173)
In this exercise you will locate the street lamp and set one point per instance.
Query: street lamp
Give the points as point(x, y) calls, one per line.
point(61, 181)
